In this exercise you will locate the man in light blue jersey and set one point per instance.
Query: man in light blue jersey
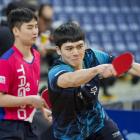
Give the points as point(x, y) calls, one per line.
point(73, 84)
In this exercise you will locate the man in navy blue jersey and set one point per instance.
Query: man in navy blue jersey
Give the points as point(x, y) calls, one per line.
point(73, 84)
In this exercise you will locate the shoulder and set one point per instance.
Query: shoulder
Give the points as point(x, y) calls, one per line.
point(8, 54)
point(99, 52)
point(95, 52)
point(5, 64)
point(35, 52)
point(36, 56)
point(102, 57)
point(61, 68)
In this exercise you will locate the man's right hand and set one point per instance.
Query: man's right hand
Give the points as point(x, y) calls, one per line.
point(106, 70)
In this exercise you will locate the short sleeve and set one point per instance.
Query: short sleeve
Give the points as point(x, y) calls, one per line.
point(103, 57)
point(55, 72)
point(4, 76)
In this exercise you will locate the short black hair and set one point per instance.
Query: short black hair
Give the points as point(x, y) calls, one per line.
point(13, 5)
point(68, 32)
point(19, 16)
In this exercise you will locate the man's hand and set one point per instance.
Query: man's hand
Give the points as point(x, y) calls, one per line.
point(106, 70)
point(36, 101)
point(47, 114)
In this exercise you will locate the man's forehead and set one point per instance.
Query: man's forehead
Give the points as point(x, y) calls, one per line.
point(33, 21)
point(73, 43)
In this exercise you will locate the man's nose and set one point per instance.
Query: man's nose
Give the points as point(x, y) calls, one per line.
point(35, 30)
point(75, 51)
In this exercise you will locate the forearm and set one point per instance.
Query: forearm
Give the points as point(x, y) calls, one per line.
point(12, 101)
point(135, 70)
point(77, 78)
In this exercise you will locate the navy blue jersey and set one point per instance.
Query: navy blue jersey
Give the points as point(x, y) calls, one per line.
point(77, 112)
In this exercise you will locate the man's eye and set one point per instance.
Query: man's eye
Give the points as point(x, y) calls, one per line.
point(69, 49)
point(79, 47)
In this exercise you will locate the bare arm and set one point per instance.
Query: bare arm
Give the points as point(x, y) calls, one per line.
point(135, 70)
point(79, 77)
point(13, 101)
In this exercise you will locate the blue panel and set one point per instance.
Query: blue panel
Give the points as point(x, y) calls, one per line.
point(128, 122)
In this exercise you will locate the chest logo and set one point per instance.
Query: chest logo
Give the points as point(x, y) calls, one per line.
point(23, 86)
point(93, 90)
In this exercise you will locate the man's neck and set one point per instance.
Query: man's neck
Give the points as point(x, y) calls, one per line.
point(79, 67)
point(25, 50)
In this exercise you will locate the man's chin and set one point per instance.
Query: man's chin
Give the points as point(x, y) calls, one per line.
point(75, 65)
point(33, 41)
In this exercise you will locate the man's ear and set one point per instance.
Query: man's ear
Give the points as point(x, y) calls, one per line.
point(58, 50)
point(15, 31)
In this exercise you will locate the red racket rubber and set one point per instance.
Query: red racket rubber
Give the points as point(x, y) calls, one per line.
point(123, 63)
point(45, 96)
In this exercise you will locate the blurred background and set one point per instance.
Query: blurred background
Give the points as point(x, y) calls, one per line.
point(110, 25)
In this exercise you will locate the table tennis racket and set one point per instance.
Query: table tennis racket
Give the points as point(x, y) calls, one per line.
point(123, 63)
point(45, 96)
